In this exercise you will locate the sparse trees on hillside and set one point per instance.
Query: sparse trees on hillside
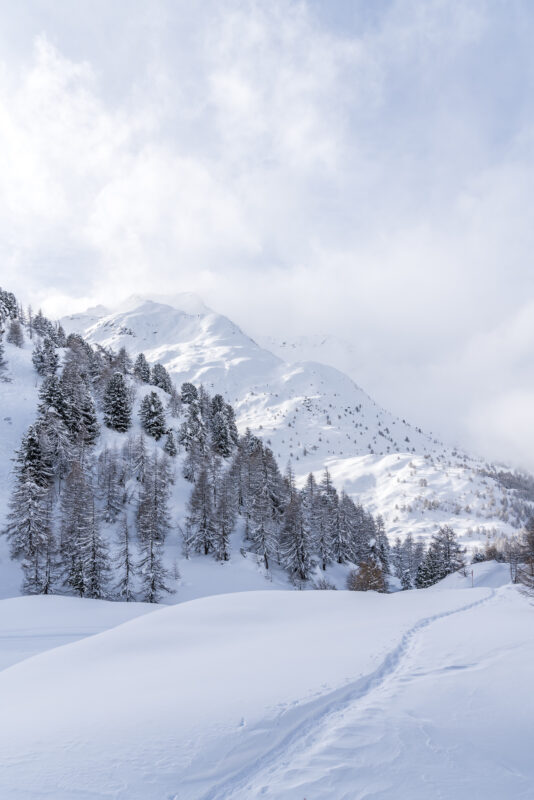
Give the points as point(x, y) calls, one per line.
point(72, 496)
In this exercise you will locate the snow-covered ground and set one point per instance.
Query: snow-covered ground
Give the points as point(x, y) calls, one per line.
point(286, 695)
point(32, 624)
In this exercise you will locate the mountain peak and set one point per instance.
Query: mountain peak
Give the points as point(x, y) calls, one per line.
point(187, 302)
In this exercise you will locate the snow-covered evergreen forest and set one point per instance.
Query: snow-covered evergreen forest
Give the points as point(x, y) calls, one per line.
point(120, 466)
point(90, 514)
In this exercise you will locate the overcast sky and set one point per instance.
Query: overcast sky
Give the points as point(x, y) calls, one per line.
point(359, 168)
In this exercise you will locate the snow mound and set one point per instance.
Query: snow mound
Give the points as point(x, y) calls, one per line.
point(32, 624)
point(490, 574)
point(211, 697)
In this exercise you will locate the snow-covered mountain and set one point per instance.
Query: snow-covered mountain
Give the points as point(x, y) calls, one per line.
point(315, 415)
point(247, 693)
point(327, 349)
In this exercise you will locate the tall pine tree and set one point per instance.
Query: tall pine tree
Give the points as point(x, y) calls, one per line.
point(117, 404)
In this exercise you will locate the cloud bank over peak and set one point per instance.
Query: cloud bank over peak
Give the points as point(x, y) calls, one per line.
point(306, 168)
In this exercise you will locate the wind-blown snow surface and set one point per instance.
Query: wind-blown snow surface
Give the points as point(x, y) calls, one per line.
point(286, 695)
point(30, 625)
point(314, 415)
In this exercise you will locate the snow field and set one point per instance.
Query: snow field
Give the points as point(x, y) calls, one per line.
point(219, 697)
point(32, 624)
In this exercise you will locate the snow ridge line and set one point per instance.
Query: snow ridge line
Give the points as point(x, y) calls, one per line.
point(328, 706)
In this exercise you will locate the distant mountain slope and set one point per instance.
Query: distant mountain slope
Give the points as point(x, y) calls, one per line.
point(310, 411)
point(314, 415)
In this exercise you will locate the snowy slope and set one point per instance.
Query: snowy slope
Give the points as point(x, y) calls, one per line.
point(31, 625)
point(285, 695)
point(332, 350)
point(314, 415)
point(189, 578)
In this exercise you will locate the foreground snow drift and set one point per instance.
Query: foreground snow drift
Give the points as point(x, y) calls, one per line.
point(31, 625)
point(281, 694)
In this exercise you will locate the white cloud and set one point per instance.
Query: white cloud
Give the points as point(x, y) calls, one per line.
point(370, 179)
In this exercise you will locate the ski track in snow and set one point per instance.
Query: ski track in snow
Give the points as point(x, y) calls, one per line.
point(295, 736)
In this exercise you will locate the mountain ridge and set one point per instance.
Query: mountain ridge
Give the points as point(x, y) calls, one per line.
point(314, 415)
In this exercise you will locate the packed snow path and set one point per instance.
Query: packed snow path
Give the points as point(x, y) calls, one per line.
point(339, 735)
point(430, 723)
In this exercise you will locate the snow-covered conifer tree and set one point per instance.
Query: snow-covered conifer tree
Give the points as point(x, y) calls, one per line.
point(449, 550)
point(295, 553)
point(29, 517)
point(224, 517)
point(141, 369)
point(189, 393)
point(223, 429)
point(152, 416)
point(160, 377)
point(122, 362)
point(55, 443)
point(89, 427)
point(117, 404)
point(342, 534)
point(3, 363)
point(14, 333)
point(40, 565)
point(60, 338)
point(140, 458)
point(125, 564)
point(406, 579)
point(263, 529)
point(170, 444)
point(200, 523)
point(429, 571)
point(174, 403)
point(45, 358)
point(381, 544)
point(76, 527)
point(153, 524)
point(96, 557)
point(194, 439)
point(111, 480)
point(326, 520)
